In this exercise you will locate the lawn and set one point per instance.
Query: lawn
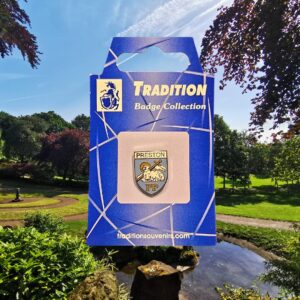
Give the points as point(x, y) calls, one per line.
point(79, 207)
point(40, 202)
point(76, 228)
point(255, 182)
point(262, 201)
point(48, 196)
point(272, 240)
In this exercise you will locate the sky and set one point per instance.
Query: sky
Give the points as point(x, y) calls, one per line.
point(74, 37)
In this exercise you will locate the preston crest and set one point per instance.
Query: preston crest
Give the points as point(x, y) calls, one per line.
point(151, 171)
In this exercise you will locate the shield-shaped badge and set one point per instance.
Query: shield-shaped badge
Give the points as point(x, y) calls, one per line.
point(151, 171)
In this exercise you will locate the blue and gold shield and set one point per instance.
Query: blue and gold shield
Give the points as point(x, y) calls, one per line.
point(151, 171)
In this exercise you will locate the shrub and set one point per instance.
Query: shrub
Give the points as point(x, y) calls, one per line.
point(286, 273)
point(44, 222)
point(231, 293)
point(35, 265)
point(8, 172)
point(33, 171)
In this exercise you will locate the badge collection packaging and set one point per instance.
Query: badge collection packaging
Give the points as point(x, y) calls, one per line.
point(151, 151)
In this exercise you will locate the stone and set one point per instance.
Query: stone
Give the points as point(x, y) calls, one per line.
point(156, 281)
point(98, 286)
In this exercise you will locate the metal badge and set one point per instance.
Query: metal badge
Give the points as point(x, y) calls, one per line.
point(151, 171)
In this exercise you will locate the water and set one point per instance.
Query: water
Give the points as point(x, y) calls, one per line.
point(224, 263)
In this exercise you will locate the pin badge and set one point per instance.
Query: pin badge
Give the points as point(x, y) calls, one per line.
point(151, 171)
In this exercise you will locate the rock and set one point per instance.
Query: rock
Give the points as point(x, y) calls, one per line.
point(178, 255)
point(98, 286)
point(189, 257)
point(156, 281)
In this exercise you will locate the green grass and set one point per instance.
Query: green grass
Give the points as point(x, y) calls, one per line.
point(255, 182)
point(78, 208)
point(40, 202)
point(76, 228)
point(269, 239)
point(33, 190)
point(262, 201)
point(274, 206)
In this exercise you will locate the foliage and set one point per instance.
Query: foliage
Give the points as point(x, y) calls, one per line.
point(123, 292)
point(257, 43)
point(222, 134)
point(14, 32)
point(233, 293)
point(238, 164)
point(260, 159)
point(231, 153)
point(281, 272)
point(55, 123)
point(287, 162)
point(38, 173)
point(82, 122)
point(21, 142)
point(269, 239)
point(286, 273)
point(66, 151)
point(44, 222)
point(6, 121)
point(35, 265)
point(35, 123)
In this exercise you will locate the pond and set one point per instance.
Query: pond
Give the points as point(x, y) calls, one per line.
point(224, 263)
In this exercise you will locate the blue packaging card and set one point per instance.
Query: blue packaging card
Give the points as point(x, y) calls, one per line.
point(154, 105)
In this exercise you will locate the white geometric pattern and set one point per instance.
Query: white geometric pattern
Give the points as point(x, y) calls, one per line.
point(102, 212)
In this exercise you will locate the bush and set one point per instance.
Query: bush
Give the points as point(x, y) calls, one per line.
point(286, 273)
point(44, 222)
point(18, 170)
point(35, 265)
point(231, 293)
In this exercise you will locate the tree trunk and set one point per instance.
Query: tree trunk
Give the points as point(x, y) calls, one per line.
point(65, 173)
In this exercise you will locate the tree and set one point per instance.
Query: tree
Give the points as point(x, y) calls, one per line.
point(21, 142)
point(238, 163)
point(55, 123)
point(67, 151)
point(259, 159)
point(6, 120)
point(222, 147)
point(287, 163)
point(36, 124)
point(82, 122)
point(257, 42)
point(14, 33)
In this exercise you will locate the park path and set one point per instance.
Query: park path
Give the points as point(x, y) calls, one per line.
point(226, 219)
point(255, 222)
point(220, 217)
point(63, 201)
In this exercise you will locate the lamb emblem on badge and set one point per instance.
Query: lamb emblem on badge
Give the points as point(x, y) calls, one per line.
point(151, 171)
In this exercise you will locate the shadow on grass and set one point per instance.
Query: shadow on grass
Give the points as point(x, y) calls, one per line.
point(284, 196)
point(8, 186)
